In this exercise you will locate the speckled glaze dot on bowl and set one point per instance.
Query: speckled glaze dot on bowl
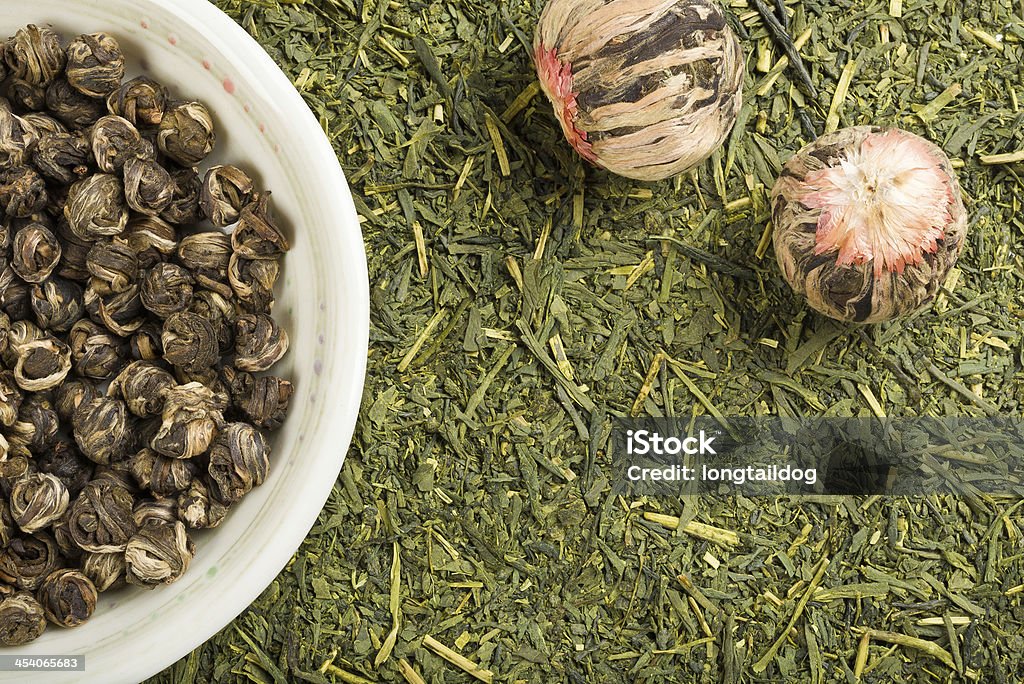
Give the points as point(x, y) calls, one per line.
point(323, 300)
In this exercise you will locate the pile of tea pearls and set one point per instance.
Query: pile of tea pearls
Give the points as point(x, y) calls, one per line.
point(135, 329)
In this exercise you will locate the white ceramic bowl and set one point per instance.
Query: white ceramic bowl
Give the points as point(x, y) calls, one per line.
point(323, 300)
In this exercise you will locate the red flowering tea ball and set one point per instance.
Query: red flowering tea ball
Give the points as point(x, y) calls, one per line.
point(868, 221)
point(644, 88)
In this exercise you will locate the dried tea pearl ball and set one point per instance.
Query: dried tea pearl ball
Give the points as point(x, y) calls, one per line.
point(57, 304)
point(167, 289)
point(221, 313)
point(63, 157)
point(238, 461)
point(189, 341)
point(207, 256)
point(188, 422)
point(147, 186)
point(35, 55)
point(102, 430)
point(147, 343)
point(66, 462)
point(100, 519)
point(27, 96)
point(42, 364)
point(121, 313)
point(226, 190)
point(22, 192)
point(37, 500)
point(10, 398)
point(140, 100)
point(253, 281)
point(37, 424)
point(158, 554)
point(160, 474)
point(26, 560)
point(198, 509)
point(96, 207)
point(72, 393)
point(152, 238)
point(95, 64)
point(36, 252)
point(184, 207)
point(143, 386)
point(44, 124)
point(186, 133)
point(106, 570)
point(257, 236)
point(17, 137)
point(264, 399)
point(21, 620)
point(97, 353)
point(68, 597)
point(113, 264)
point(259, 342)
point(114, 141)
point(71, 106)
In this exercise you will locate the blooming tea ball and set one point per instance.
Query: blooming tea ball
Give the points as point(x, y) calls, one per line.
point(644, 88)
point(868, 222)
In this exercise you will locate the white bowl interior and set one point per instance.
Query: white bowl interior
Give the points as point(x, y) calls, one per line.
point(323, 301)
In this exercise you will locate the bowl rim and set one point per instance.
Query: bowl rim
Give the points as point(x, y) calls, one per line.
point(166, 641)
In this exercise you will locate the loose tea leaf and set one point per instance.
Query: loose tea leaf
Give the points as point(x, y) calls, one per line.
point(517, 551)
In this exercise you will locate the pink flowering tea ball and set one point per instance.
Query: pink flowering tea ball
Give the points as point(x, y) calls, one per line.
point(644, 88)
point(868, 222)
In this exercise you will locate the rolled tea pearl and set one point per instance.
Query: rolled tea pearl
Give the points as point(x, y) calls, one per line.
point(100, 519)
point(189, 421)
point(96, 207)
point(263, 399)
point(259, 342)
point(238, 461)
point(167, 289)
point(140, 100)
point(68, 597)
point(143, 386)
point(158, 553)
point(257, 235)
point(186, 133)
point(57, 303)
point(198, 509)
point(226, 190)
point(42, 364)
point(21, 619)
point(35, 55)
point(95, 64)
point(190, 341)
point(160, 474)
point(26, 560)
point(106, 570)
point(37, 500)
point(102, 429)
point(36, 253)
